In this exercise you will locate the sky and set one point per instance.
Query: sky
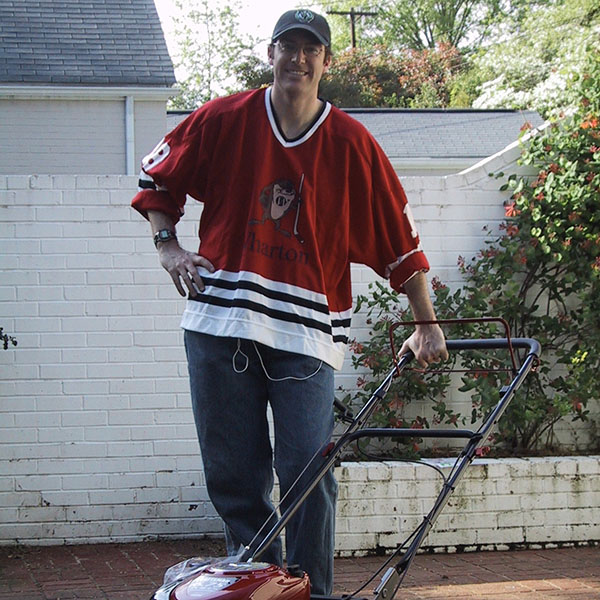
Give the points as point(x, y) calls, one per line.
point(258, 17)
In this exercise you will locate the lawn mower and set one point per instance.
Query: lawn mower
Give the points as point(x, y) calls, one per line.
point(244, 577)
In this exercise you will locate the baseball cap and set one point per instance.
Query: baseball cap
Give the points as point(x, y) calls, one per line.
point(303, 19)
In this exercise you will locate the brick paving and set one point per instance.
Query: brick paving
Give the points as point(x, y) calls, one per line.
point(133, 571)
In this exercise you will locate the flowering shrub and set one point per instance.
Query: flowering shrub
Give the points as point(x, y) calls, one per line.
point(383, 307)
point(430, 73)
point(542, 274)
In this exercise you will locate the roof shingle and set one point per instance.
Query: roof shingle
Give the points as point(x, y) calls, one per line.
point(93, 42)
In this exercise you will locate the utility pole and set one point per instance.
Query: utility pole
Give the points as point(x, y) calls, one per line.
point(353, 14)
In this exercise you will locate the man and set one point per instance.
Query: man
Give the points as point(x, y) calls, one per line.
point(294, 190)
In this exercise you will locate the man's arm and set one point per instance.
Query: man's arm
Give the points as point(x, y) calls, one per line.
point(427, 342)
point(179, 263)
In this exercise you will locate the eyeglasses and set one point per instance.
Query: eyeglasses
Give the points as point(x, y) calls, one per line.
point(291, 49)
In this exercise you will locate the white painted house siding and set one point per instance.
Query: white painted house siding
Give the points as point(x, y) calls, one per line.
point(75, 136)
point(62, 136)
point(150, 127)
point(97, 441)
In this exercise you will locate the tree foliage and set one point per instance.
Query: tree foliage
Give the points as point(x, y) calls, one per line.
point(211, 50)
point(421, 24)
point(516, 53)
point(427, 23)
point(532, 63)
point(252, 73)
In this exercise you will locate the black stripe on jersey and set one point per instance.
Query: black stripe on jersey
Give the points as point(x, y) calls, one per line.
point(274, 295)
point(265, 310)
point(146, 184)
point(341, 323)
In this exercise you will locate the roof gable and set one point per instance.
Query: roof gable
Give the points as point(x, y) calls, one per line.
point(92, 42)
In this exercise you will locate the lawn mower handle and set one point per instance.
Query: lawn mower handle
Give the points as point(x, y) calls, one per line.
point(355, 430)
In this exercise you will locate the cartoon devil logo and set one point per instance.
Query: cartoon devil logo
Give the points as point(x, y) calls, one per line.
point(276, 200)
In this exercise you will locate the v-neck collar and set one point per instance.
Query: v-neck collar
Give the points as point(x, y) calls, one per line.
point(302, 138)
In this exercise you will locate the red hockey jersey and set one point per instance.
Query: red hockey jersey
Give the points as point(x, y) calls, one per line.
point(282, 221)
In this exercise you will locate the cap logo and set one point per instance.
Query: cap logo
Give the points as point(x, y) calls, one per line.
point(304, 16)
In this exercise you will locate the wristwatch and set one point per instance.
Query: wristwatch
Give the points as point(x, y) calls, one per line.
point(164, 235)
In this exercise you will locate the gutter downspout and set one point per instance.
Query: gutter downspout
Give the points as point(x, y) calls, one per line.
point(129, 136)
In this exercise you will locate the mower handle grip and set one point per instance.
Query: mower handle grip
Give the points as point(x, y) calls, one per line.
point(533, 346)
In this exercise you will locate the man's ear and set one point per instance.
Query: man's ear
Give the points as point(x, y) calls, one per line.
point(270, 49)
point(327, 63)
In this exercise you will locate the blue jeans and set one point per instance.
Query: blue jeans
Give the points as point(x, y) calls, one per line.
point(230, 392)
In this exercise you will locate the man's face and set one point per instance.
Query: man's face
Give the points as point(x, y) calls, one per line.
point(295, 66)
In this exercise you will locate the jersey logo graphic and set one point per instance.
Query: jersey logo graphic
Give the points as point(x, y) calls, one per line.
point(277, 199)
point(304, 16)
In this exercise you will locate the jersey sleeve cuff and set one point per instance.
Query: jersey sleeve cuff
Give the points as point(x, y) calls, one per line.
point(147, 200)
point(408, 268)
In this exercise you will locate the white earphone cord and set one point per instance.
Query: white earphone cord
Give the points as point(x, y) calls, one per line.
point(262, 364)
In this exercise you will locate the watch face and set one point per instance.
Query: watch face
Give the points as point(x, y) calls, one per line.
point(164, 235)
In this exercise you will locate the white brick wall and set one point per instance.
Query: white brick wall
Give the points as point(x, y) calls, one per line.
point(96, 435)
point(97, 440)
point(499, 503)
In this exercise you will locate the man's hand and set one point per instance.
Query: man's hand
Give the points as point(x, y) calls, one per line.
point(427, 342)
point(182, 266)
point(428, 345)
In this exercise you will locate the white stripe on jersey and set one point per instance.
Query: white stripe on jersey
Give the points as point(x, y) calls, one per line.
point(277, 314)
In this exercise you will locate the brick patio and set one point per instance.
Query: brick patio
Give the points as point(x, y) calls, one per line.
point(133, 571)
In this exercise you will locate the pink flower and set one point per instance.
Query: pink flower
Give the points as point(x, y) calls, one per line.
point(436, 284)
point(510, 209)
